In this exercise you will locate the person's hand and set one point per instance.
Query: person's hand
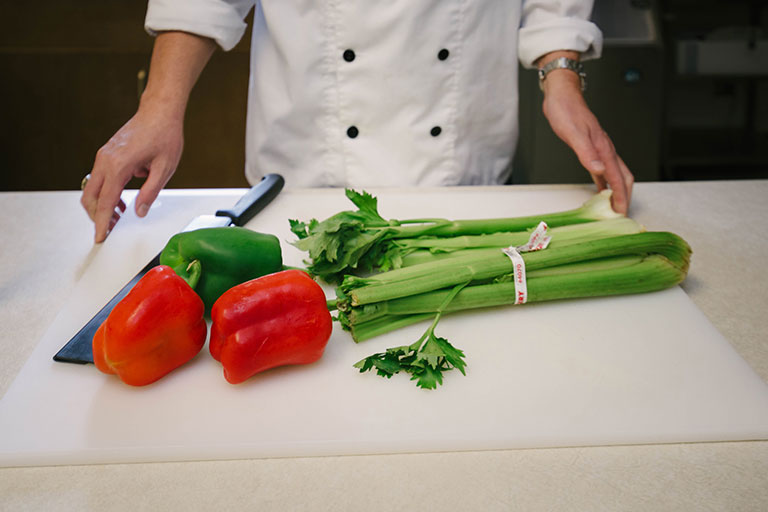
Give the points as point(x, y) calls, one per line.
point(573, 121)
point(149, 145)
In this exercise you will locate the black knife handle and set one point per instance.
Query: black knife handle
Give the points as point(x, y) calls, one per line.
point(254, 200)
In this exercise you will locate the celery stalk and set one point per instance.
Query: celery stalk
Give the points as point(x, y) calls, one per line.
point(598, 207)
point(613, 276)
point(363, 240)
point(491, 263)
point(431, 249)
point(442, 266)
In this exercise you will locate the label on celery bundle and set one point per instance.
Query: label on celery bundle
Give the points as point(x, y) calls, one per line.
point(518, 264)
point(537, 241)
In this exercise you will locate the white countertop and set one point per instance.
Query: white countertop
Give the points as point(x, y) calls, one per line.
point(45, 252)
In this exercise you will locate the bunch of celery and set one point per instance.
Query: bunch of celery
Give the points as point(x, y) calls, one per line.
point(362, 240)
point(442, 274)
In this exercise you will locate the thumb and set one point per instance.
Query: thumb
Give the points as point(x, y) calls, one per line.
point(158, 176)
point(590, 158)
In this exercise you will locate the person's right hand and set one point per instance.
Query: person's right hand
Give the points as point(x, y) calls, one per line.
point(149, 145)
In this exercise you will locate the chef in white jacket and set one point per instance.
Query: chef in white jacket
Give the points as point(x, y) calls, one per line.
point(363, 93)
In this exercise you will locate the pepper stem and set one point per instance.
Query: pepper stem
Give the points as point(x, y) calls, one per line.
point(192, 273)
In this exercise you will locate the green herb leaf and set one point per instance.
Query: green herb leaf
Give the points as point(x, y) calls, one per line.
point(344, 241)
point(367, 203)
point(425, 360)
point(453, 356)
point(386, 363)
point(428, 377)
point(431, 352)
point(298, 228)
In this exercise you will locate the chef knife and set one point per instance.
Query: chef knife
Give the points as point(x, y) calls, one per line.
point(79, 348)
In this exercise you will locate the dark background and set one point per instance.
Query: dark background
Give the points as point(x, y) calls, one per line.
point(682, 89)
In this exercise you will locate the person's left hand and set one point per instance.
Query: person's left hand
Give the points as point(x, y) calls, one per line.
point(573, 121)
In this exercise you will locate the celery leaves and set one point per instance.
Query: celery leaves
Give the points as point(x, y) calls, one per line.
point(363, 240)
point(344, 240)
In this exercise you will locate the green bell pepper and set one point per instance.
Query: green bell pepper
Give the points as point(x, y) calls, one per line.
point(213, 260)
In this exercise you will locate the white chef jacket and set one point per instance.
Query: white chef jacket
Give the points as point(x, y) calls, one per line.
point(384, 93)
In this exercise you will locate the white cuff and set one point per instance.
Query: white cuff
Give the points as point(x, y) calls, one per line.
point(220, 20)
point(559, 34)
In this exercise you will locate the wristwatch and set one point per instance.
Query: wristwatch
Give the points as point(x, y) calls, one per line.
point(563, 63)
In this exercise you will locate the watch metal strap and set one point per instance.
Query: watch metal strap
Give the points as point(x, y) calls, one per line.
point(563, 63)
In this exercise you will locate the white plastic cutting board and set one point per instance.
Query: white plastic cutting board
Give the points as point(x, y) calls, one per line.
point(627, 370)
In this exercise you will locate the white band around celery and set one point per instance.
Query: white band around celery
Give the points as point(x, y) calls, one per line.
point(537, 241)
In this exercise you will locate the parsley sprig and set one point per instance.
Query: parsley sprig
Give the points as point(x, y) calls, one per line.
point(425, 360)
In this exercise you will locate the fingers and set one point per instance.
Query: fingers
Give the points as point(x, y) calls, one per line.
point(101, 195)
point(597, 173)
point(629, 179)
point(590, 158)
point(107, 207)
point(90, 198)
point(598, 155)
point(104, 204)
point(148, 146)
point(116, 215)
point(90, 195)
point(97, 205)
point(573, 121)
point(613, 175)
point(157, 178)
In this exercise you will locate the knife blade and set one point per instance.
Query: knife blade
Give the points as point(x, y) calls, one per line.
point(79, 350)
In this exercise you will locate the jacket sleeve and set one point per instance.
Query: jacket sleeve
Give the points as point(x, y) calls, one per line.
point(220, 20)
point(550, 25)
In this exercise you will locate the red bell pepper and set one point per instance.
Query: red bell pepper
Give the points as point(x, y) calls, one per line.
point(275, 320)
point(156, 328)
